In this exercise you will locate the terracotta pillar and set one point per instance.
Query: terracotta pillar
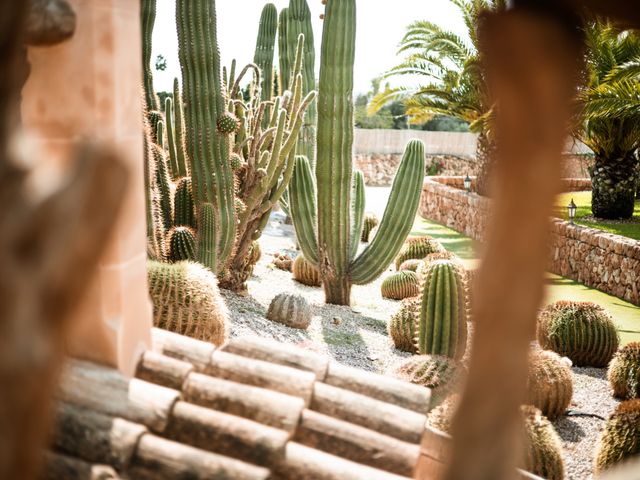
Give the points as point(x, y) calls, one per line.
point(89, 88)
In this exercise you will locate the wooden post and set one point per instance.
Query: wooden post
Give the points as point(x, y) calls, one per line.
point(531, 66)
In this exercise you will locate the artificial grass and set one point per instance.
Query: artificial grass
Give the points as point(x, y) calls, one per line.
point(625, 315)
point(583, 202)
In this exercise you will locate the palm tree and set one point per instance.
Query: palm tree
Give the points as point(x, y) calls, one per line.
point(454, 82)
point(610, 107)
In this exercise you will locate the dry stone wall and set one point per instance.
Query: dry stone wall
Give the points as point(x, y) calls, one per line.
point(604, 261)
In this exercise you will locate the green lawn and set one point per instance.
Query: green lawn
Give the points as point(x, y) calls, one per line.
point(583, 201)
point(625, 315)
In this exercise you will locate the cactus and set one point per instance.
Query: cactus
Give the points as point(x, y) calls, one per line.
point(411, 265)
point(624, 372)
point(156, 248)
point(177, 127)
point(283, 50)
point(183, 208)
point(370, 222)
point(339, 203)
point(182, 244)
point(418, 247)
point(402, 326)
point(186, 300)
point(582, 331)
point(542, 446)
point(282, 261)
point(265, 46)
point(208, 152)
point(290, 310)
point(442, 322)
point(147, 20)
point(432, 257)
point(400, 285)
point(442, 375)
point(549, 383)
point(619, 439)
point(441, 416)
point(305, 272)
point(163, 183)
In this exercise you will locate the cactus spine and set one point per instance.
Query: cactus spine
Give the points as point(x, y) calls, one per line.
point(338, 205)
point(265, 46)
point(442, 325)
point(147, 19)
point(208, 151)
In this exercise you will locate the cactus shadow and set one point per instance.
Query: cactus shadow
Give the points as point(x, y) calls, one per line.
point(346, 343)
point(569, 430)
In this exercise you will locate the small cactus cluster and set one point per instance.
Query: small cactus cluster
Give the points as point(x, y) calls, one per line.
point(186, 300)
point(443, 375)
point(582, 331)
point(400, 285)
point(305, 272)
point(542, 446)
point(290, 310)
point(282, 261)
point(371, 221)
point(624, 372)
point(402, 325)
point(549, 383)
point(412, 265)
point(442, 322)
point(620, 438)
point(418, 247)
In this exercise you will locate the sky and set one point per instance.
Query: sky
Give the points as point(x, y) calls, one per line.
point(380, 27)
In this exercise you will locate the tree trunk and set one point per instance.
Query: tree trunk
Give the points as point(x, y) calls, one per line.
point(485, 154)
point(613, 185)
point(337, 291)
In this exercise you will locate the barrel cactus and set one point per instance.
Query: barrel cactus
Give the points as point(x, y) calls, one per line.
point(443, 375)
point(402, 325)
point(624, 372)
point(370, 222)
point(542, 446)
point(441, 326)
point(441, 416)
point(619, 440)
point(305, 272)
point(432, 257)
point(186, 300)
point(582, 331)
point(418, 247)
point(400, 285)
point(412, 265)
point(290, 310)
point(182, 244)
point(549, 383)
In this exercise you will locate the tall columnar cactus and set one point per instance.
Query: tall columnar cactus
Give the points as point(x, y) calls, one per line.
point(442, 324)
point(265, 47)
point(284, 64)
point(582, 331)
point(624, 372)
point(336, 198)
point(147, 19)
point(619, 440)
point(183, 208)
point(208, 151)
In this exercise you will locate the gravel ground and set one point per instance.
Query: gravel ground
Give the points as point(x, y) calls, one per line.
point(357, 336)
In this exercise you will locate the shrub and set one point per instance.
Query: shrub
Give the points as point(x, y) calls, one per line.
point(400, 285)
point(305, 272)
point(582, 331)
point(290, 310)
point(624, 372)
point(620, 438)
point(443, 375)
point(186, 300)
point(549, 383)
point(418, 247)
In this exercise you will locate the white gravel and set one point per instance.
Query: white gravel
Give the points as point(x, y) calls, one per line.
point(357, 336)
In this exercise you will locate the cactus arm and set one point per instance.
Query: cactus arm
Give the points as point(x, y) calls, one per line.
point(265, 47)
point(207, 252)
point(160, 133)
point(398, 218)
point(302, 202)
point(148, 18)
point(171, 142)
point(455, 293)
point(438, 316)
point(335, 142)
point(178, 117)
point(358, 197)
point(283, 54)
point(447, 322)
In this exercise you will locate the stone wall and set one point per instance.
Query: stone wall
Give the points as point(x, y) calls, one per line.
point(608, 262)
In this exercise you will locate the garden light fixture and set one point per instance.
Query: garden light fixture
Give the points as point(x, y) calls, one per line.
point(572, 208)
point(467, 183)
